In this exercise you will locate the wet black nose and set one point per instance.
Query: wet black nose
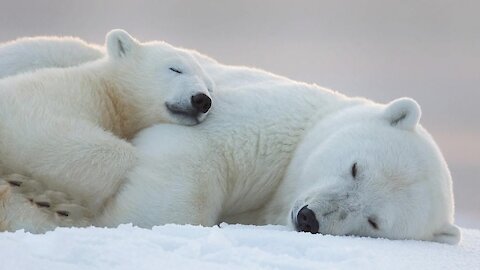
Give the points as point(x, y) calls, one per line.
point(306, 221)
point(201, 103)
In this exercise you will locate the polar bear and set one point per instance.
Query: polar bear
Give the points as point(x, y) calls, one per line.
point(276, 151)
point(29, 54)
point(288, 153)
point(69, 126)
point(368, 170)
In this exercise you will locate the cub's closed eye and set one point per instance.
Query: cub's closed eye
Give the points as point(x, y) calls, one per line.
point(354, 170)
point(176, 70)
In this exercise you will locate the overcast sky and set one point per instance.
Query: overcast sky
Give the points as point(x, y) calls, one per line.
point(428, 50)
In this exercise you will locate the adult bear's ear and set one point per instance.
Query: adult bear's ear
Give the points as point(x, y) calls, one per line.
point(403, 113)
point(120, 44)
point(448, 234)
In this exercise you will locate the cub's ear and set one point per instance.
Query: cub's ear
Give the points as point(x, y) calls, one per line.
point(120, 44)
point(448, 234)
point(403, 113)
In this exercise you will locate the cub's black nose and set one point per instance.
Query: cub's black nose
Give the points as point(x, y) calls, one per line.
point(201, 103)
point(306, 221)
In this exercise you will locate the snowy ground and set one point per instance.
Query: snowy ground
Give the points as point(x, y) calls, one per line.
point(229, 247)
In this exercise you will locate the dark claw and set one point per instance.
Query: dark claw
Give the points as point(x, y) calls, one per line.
point(15, 183)
point(63, 213)
point(43, 204)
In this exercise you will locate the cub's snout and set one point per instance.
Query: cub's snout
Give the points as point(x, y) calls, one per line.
point(193, 111)
point(201, 103)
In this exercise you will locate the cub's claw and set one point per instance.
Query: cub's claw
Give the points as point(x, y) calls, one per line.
point(27, 204)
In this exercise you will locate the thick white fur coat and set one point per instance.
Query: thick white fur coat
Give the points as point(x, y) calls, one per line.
point(272, 146)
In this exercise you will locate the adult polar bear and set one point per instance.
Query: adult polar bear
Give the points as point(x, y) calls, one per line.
point(275, 151)
point(68, 126)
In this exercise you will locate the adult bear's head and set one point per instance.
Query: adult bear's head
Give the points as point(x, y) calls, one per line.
point(374, 172)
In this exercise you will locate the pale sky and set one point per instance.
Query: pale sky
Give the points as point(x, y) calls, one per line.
point(427, 50)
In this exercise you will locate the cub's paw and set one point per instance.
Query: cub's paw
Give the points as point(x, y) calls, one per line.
point(18, 212)
point(25, 185)
point(70, 214)
point(26, 204)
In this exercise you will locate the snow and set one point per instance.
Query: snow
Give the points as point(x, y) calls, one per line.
point(226, 247)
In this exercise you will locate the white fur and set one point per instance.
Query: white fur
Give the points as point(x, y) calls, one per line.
point(29, 54)
point(402, 182)
point(272, 145)
point(68, 126)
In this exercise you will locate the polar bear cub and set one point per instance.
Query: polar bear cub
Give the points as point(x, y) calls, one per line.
point(68, 126)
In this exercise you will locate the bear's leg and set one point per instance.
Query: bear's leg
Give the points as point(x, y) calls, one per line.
point(80, 159)
point(26, 204)
point(181, 185)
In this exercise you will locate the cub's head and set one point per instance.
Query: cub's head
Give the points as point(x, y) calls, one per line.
point(376, 172)
point(168, 82)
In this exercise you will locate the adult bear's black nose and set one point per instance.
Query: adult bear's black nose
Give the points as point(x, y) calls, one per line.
point(201, 103)
point(306, 221)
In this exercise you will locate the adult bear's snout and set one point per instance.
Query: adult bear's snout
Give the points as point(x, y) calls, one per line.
point(306, 221)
